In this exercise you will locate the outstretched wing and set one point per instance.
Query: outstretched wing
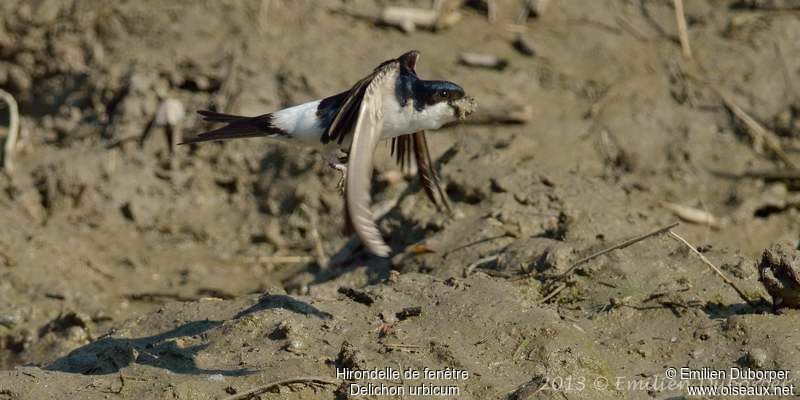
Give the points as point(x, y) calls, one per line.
point(366, 135)
point(348, 113)
point(401, 149)
point(346, 117)
point(427, 175)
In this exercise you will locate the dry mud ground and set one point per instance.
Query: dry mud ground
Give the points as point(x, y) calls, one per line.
point(128, 272)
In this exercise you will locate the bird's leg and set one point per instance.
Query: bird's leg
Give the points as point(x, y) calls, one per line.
point(338, 161)
point(342, 168)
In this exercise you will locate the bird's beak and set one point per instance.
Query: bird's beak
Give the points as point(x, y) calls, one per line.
point(464, 106)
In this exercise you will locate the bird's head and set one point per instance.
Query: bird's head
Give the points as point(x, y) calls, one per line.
point(445, 99)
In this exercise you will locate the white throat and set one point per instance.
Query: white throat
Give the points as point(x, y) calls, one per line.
point(404, 120)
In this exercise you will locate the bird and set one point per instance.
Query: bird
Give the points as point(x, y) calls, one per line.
point(390, 103)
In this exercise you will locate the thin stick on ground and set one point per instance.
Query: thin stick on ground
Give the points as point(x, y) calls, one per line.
point(617, 247)
point(264, 388)
point(402, 346)
point(491, 10)
point(758, 133)
point(471, 268)
point(287, 259)
point(13, 130)
point(683, 31)
point(777, 175)
point(553, 293)
point(592, 256)
point(713, 268)
point(629, 27)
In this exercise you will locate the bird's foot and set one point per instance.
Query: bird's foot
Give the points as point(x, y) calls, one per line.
point(342, 168)
point(338, 161)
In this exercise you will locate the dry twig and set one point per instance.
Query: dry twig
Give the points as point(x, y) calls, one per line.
point(778, 175)
point(553, 293)
point(308, 380)
point(713, 268)
point(617, 247)
point(683, 32)
point(629, 27)
point(592, 256)
point(491, 10)
point(470, 268)
point(13, 130)
point(94, 268)
point(758, 133)
point(287, 259)
point(402, 346)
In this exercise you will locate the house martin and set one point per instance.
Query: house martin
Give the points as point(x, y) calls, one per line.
point(393, 103)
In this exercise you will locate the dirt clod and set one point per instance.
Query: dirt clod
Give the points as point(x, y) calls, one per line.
point(409, 312)
point(358, 296)
point(757, 358)
point(779, 272)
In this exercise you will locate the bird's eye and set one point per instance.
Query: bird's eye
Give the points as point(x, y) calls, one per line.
point(443, 93)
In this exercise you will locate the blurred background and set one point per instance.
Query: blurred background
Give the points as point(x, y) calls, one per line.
point(595, 124)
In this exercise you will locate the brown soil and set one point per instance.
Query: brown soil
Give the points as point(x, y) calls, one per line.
point(129, 272)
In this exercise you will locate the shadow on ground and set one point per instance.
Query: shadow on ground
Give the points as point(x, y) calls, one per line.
point(110, 354)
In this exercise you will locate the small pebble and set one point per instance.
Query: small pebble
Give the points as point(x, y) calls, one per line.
point(294, 346)
point(170, 112)
point(483, 60)
point(9, 321)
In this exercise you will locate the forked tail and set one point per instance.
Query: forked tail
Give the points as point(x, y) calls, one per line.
point(237, 127)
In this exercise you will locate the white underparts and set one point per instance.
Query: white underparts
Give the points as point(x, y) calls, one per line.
point(401, 121)
point(301, 122)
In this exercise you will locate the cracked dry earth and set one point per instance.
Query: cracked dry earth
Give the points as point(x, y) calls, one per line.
point(130, 272)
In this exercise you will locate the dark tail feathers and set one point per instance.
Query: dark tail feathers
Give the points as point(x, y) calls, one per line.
point(237, 127)
point(212, 116)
